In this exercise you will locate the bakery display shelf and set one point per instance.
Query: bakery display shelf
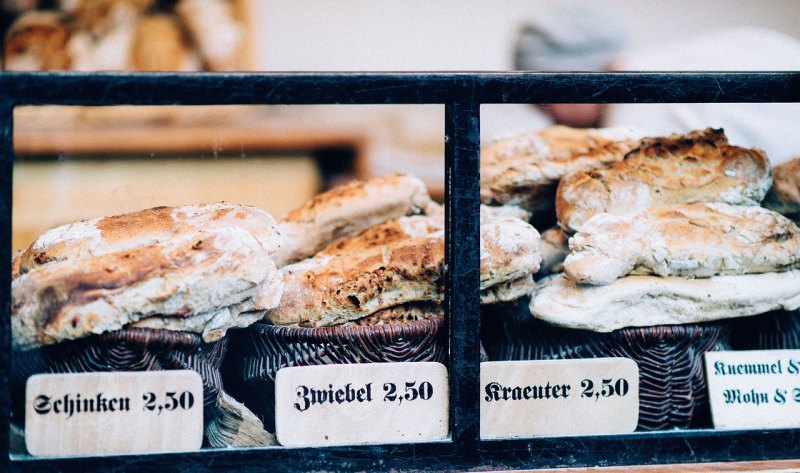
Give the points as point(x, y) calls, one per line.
point(461, 94)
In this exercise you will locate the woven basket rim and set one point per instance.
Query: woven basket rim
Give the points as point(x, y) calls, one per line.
point(150, 337)
point(336, 333)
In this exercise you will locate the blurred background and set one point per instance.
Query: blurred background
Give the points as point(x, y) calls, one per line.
point(78, 162)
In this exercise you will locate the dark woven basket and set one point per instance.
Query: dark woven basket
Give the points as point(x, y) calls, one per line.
point(259, 351)
point(672, 384)
point(131, 349)
point(778, 330)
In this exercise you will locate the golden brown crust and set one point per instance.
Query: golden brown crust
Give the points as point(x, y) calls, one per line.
point(346, 211)
point(784, 197)
point(698, 167)
point(403, 313)
point(221, 271)
point(331, 290)
point(158, 225)
point(192, 268)
point(524, 170)
point(403, 228)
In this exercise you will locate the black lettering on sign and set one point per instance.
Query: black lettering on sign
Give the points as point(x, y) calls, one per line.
point(71, 404)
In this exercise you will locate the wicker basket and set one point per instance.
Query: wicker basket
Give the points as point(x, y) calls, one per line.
point(672, 384)
point(132, 349)
point(778, 330)
point(259, 351)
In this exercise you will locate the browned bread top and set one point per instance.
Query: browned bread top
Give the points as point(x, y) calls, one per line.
point(346, 211)
point(159, 225)
point(698, 167)
point(524, 169)
point(332, 290)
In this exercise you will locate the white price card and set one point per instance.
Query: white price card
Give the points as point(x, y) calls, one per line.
point(113, 413)
point(361, 403)
point(757, 389)
point(559, 397)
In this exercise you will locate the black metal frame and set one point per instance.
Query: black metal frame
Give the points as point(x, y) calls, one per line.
point(461, 94)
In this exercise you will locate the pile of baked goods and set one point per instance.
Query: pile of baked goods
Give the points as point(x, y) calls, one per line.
point(668, 235)
point(354, 275)
point(363, 268)
point(134, 35)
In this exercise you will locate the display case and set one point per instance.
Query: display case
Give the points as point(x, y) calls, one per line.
point(461, 94)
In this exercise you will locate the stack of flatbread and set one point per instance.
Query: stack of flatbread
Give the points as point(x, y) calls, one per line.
point(673, 234)
point(372, 253)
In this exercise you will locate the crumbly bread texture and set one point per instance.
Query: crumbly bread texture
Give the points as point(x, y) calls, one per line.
point(644, 301)
point(332, 290)
point(524, 169)
point(346, 211)
point(698, 167)
point(784, 197)
point(510, 251)
point(692, 240)
point(403, 313)
point(201, 268)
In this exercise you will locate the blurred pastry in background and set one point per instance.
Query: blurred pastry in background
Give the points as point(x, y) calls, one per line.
point(160, 44)
point(37, 41)
point(217, 29)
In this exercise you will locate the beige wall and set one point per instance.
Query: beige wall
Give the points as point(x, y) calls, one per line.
point(427, 35)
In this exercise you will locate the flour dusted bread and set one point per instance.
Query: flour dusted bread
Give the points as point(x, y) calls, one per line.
point(698, 167)
point(646, 301)
point(784, 197)
point(692, 240)
point(156, 226)
point(524, 169)
point(202, 269)
point(510, 253)
point(346, 211)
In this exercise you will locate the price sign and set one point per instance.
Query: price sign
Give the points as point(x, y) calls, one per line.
point(113, 413)
point(754, 389)
point(361, 403)
point(559, 397)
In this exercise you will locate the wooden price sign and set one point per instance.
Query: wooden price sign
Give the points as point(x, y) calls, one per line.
point(754, 389)
point(113, 413)
point(361, 403)
point(559, 397)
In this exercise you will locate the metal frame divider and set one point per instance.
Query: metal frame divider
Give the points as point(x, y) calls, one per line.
point(461, 94)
